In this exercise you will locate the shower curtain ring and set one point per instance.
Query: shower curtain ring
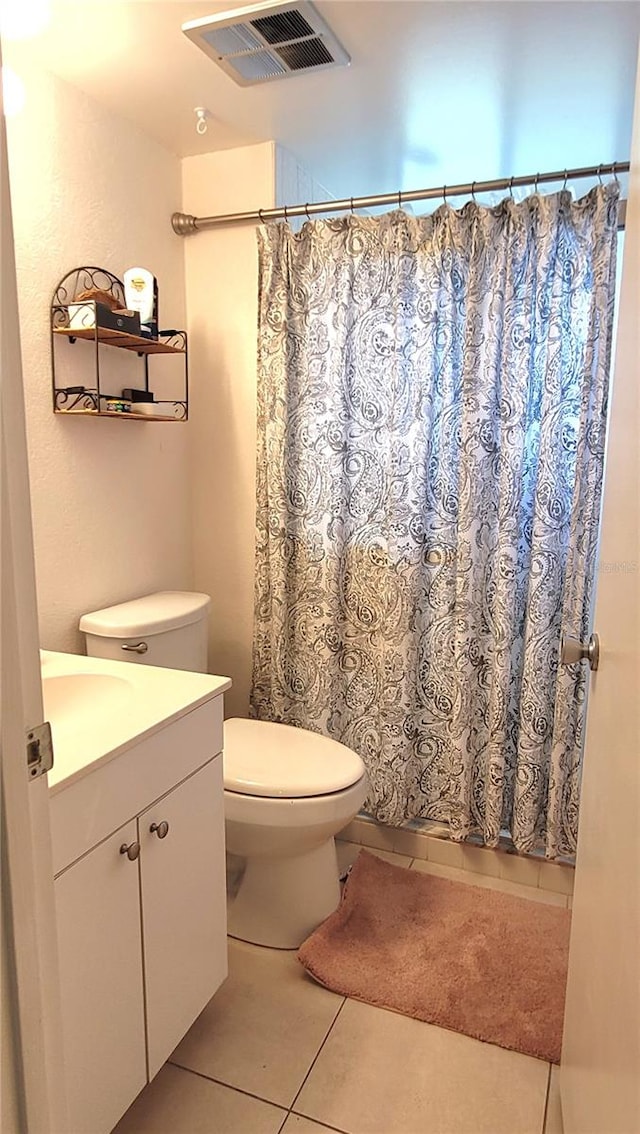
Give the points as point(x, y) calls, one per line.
point(511, 189)
point(399, 199)
point(444, 194)
point(566, 178)
point(306, 209)
point(536, 186)
point(473, 192)
point(600, 174)
point(351, 200)
point(286, 214)
point(614, 170)
point(260, 216)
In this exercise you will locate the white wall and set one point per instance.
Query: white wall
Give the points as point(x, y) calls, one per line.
point(221, 268)
point(123, 508)
point(110, 498)
point(295, 184)
point(222, 287)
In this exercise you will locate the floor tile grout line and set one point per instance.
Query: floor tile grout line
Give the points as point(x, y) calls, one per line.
point(230, 1086)
point(317, 1122)
point(289, 1110)
point(315, 1058)
point(546, 1100)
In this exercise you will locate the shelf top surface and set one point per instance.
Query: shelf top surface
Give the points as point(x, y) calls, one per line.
point(129, 415)
point(121, 339)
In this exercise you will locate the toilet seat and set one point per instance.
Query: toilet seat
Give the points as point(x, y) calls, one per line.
point(277, 761)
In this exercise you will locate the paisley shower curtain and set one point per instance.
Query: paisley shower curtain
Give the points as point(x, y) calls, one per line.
point(431, 423)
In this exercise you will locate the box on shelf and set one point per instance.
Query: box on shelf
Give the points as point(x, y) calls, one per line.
point(154, 409)
point(83, 316)
point(136, 395)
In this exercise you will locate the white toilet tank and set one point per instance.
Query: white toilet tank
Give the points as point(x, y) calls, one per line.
point(167, 629)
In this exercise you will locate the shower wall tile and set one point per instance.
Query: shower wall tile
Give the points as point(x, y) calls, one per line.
point(351, 833)
point(409, 842)
point(481, 860)
point(445, 852)
point(554, 876)
point(489, 882)
point(377, 836)
point(348, 852)
point(519, 868)
point(452, 873)
point(362, 830)
point(402, 860)
point(431, 843)
point(533, 893)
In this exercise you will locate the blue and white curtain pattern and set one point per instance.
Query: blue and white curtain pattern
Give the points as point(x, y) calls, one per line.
point(431, 423)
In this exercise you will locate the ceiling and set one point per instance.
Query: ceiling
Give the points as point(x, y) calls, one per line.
point(437, 92)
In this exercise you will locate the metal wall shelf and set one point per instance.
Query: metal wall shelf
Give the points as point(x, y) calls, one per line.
point(120, 339)
point(90, 401)
point(131, 415)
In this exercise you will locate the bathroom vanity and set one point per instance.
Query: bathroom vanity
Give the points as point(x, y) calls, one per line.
point(137, 822)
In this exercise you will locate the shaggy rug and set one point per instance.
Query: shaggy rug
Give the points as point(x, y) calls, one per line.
point(471, 959)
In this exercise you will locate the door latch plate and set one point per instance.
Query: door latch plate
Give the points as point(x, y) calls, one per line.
point(39, 747)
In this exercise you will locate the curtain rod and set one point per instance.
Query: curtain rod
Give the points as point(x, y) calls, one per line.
point(184, 224)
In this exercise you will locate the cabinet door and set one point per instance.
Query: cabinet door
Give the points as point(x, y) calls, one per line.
point(183, 907)
point(100, 952)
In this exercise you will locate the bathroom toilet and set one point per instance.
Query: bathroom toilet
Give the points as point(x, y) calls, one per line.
point(287, 791)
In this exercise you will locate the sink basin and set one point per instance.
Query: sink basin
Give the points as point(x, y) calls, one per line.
point(77, 700)
point(98, 709)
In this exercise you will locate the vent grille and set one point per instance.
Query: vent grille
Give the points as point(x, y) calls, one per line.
point(231, 41)
point(283, 27)
point(268, 41)
point(259, 66)
point(307, 53)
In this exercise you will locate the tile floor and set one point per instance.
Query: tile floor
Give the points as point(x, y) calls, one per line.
point(275, 1053)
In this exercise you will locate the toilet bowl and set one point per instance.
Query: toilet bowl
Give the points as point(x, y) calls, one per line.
point(287, 791)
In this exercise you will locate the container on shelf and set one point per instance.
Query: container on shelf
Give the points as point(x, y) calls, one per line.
point(89, 313)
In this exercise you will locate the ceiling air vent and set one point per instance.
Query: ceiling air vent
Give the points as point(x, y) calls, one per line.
point(267, 41)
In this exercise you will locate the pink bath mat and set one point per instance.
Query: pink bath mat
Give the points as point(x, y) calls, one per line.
point(471, 959)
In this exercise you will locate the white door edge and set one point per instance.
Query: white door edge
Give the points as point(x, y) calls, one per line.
point(33, 1097)
point(600, 1067)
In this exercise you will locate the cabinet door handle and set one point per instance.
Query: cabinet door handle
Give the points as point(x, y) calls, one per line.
point(132, 851)
point(160, 829)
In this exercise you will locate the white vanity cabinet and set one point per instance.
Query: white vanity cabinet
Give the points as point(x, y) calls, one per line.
point(100, 949)
point(183, 907)
point(141, 914)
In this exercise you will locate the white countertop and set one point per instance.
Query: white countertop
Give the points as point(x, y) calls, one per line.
point(99, 708)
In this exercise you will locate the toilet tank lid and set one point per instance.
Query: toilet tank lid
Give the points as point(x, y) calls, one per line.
point(151, 614)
